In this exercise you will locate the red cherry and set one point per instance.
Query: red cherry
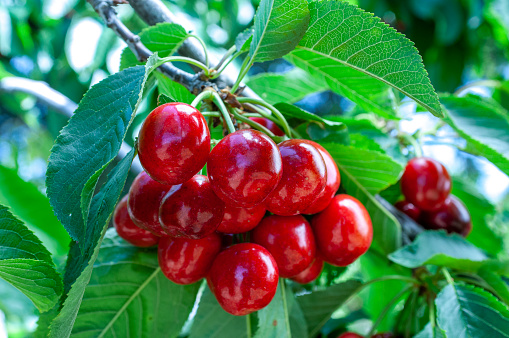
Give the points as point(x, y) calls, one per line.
point(425, 183)
point(174, 143)
point(184, 260)
point(312, 272)
point(409, 209)
point(145, 196)
point(343, 231)
point(239, 220)
point(269, 125)
point(289, 240)
point(350, 335)
point(244, 167)
point(452, 216)
point(383, 335)
point(128, 230)
point(191, 209)
point(304, 178)
point(243, 278)
point(332, 185)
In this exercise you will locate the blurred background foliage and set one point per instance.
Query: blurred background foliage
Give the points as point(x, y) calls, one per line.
point(65, 44)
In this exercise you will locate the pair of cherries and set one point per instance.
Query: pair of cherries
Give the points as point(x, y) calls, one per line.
point(426, 185)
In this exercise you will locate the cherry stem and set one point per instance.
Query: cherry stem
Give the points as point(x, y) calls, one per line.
point(447, 276)
point(183, 59)
point(204, 49)
point(252, 123)
point(277, 113)
point(212, 95)
point(243, 71)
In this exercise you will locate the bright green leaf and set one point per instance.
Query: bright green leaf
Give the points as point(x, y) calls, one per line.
point(499, 286)
point(243, 40)
point(428, 332)
point(273, 320)
point(174, 90)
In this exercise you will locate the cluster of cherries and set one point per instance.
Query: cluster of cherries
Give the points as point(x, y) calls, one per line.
point(426, 185)
point(216, 227)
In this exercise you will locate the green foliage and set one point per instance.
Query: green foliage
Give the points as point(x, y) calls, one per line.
point(174, 90)
point(273, 320)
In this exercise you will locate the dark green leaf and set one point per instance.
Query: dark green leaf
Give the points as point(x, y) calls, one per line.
point(428, 332)
point(174, 90)
point(273, 320)
point(163, 98)
point(497, 284)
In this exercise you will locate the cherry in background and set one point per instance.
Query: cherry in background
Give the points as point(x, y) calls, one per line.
point(243, 278)
point(312, 272)
point(350, 335)
point(269, 125)
point(128, 230)
point(185, 261)
point(409, 209)
point(425, 183)
point(452, 216)
point(304, 178)
point(191, 209)
point(343, 231)
point(239, 220)
point(145, 196)
point(290, 241)
point(174, 143)
point(244, 168)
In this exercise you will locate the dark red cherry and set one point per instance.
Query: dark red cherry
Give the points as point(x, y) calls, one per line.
point(269, 125)
point(243, 278)
point(409, 209)
point(383, 335)
point(239, 220)
point(290, 241)
point(304, 178)
point(145, 196)
point(184, 260)
point(425, 183)
point(191, 209)
point(350, 335)
point(128, 230)
point(343, 231)
point(244, 167)
point(174, 143)
point(452, 216)
point(312, 272)
point(331, 186)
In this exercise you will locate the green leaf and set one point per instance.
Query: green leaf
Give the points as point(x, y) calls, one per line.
point(174, 90)
point(243, 40)
point(89, 142)
point(279, 25)
point(163, 38)
point(499, 286)
point(212, 321)
point(26, 263)
point(79, 265)
point(319, 305)
point(289, 110)
point(273, 320)
point(483, 124)
point(467, 311)
point(33, 208)
point(439, 248)
point(363, 173)
point(359, 56)
point(428, 332)
point(163, 98)
point(128, 295)
point(289, 87)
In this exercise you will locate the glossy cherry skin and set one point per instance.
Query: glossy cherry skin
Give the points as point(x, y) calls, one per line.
point(128, 230)
point(244, 168)
point(174, 143)
point(239, 220)
point(145, 196)
point(243, 278)
point(289, 240)
point(304, 178)
point(350, 335)
point(425, 183)
point(312, 272)
point(331, 186)
point(343, 231)
point(191, 210)
point(269, 125)
point(184, 260)
point(409, 209)
point(452, 216)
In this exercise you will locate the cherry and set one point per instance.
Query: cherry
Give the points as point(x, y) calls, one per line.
point(244, 167)
point(409, 209)
point(343, 231)
point(269, 125)
point(191, 209)
point(174, 143)
point(145, 196)
point(128, 230)
point(304, 178)
point(312, 272)
point(239, 220)
point(331, 186)
point(452, 216)
point(290, 241)
point(185, 261)
point(425, 183)
point(383, 335)
point(243, 278)
point(350, 335)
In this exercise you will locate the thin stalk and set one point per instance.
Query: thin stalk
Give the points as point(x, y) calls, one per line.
point(277, 113)
point(417, 146)
point(447, 275)
point(248, 326)
point(252, 123)
point(212, 95)
point(285, 306)
point(204, 49)
point(242, 73)
point(228, 53)
point(182, 59)
point(205, 95)
point(263, 113)
point(431, 310)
